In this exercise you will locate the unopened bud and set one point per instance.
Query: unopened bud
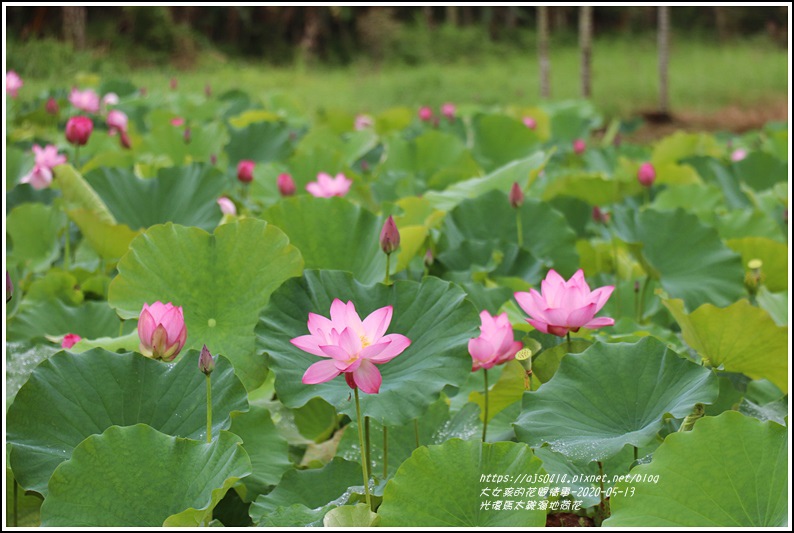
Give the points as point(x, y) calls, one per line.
point(206, 362)
point(186, 135)
point(286, 185)
point(52, 106)
point(516, 195)
point(389, 236)
point(124, 139)
point(579, 146)
point(429, 258)
point(9, 287)
point(646, 175)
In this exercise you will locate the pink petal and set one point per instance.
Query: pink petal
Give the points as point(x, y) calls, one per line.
point(352, 320)
point(310, 344)
point(509, 353)
point(376, 324)
point(579, 317)
point(601, 295)
point(480, 349)
point(348, 366)
point(320, 372)
point(337, 352)
point(560, 331)
point(146, 325)
point(350, 342)
point(539, 325)
point(319, 325)
point(532, 303)
point(600, 322)
point(397, 345)
point(338, 314)
point(159, 341)
point(577, 280)
point(367, 377)
point(558, 317)
point(315, 190)
point(173, 321)
point(374, 350)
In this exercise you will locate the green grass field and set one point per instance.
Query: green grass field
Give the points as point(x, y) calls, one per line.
point(704, 77)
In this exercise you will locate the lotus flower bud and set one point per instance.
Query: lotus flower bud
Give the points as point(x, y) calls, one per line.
point(429, 258)
point(425, 114)
point(738, 154)
point(124, 139)
point(162, 331)
point(69, 340)
point(227, 206)
point(286, 185)
point(602, 217)
point(174, 83)
point(186, 135)
point(530, 123)
point(646, 175)
point(448, 110)
point(516, 196)
point(579, 146)
point(78, 130)
point(206, 362)
point(245, 170)
point(363, 122)
point(13, 83)
point(389, 236)
point(52, 106)
point(117, 121)
point(9, 287)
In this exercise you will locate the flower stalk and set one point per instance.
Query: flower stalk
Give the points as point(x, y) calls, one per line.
point(363, 451)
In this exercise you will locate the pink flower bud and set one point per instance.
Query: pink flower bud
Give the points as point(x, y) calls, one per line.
point(117, 121)
point(245, 170)
point(174, 84)
point(177, 122)
point(286, 185)
point(206, 362)
point(738, 155)
point(227, 206)
point(389, 236)
point(530, 123)
point(78, 130)
point(52, 106)
point(425, 114)
point(579, 146)
point(124, 140)
point(162, 331)
point(69, 340)
point(600, 216)
point(646, 175)
point(9, 287)
point(516, 195)
point(363, 122)
point(448, 110)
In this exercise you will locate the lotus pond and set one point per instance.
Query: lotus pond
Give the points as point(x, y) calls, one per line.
point(224, 311)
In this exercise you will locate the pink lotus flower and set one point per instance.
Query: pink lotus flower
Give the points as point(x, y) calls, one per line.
point(13, 83)
point(177, 121)
point(579, 146)
point(425, 114)
point(51, 106)
point(285, 184)
point(162, 330)
point(495, 345)
point(326, 186)
point(245, 170)
point(389, 236)
point(46, 158)
point(530, 123)
point(646, 174)
point(738, 154)
point(69, 340)
point(117, 121)
point(351, 346)
point(38, 178)
point(108, 100)
point(600, 216)
point(448, 110)
point(78, 130)
point(87, 100)
point(564, 306)
point(363, 122)
point(227, 206)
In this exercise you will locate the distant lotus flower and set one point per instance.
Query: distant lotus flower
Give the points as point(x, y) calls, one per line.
point(177, 122)
point(206, 362)
point(363, 122)
point(69, 340)
point(245, 170)
point(48, 156)
point(579, 146)
point(351, 346)
point(108, 100)
point(448, 110)
point(738, 154)
point(326, 186)
point(38, 178)
point(600, 216)
point(530, 123)
point(87, 100)
point(516, 195)
point(186, 135)
point(646, 174)
point(389, 236)
point(227, 206)
point(9, 287)
point(51, 106)
point(78, 130)
point(564, 306)
point(162, 331)
point(495, 345)
point(425, 114)
point(13, 83)
point(174, 83)
point(117, 121)
point(286, 185)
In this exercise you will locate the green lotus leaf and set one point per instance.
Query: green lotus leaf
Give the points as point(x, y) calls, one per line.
point(681, 145)
point(21, 359)
point(760, 170)
point(776, 304)
point(729, 471)
point(441, 486)
point(317, 420)
point(183, 195)
point(79, 194)
point(260, 142)
point(220, 280)
point(165, 139)
point(739, 338)
point(774, 256)
point(37, 319)
point(499, 139)
point(110, 241)
point(433, 314)
point(749, 222)
point(34, 230)
point(358, 515)
point(612, 395)
point(333, 234)
point(72, 396)
point(593, 188)
point(138, 477)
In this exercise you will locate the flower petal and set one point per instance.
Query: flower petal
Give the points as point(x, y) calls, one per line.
point(601, 295)
point(600, 322)
point(579, 317)
point(480, 349)
point(350, 342)
point(367, 377)
point(397, 345)
point(376, 324)
point(146, 325)
point(309, 343)
point(539, 325)
point(374, 350)
point(320, 372)
point(334, 351)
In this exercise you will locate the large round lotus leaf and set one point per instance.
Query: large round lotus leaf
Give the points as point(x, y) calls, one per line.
point(760, 170)
point(333, 234)
point(138, 477)
point(680, 145)
point(71, 396)
point(110, 241)
point(21, 359)
point(183, 195)
point(33, 230)
point(729, 471)
point(591, 187)
point(442, 486)
point(220, 280)
point(318, 489)
point(690, 259)
point(261, 142)
point(739, 338)
point(546, 233)
point(433, 314)
point(773, 255)
point(499, 139)
point(168, 140)
point(774, 303)
point(53, 317)
point(358, 515)
point(611, 395)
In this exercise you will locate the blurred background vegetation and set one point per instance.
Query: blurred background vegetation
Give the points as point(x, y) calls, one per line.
point(368, 58)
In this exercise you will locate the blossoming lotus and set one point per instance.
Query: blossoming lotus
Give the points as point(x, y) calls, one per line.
point(162, 330)
point(564, 306)
point(350, 346)
point(326, 186)
point(495, 345)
